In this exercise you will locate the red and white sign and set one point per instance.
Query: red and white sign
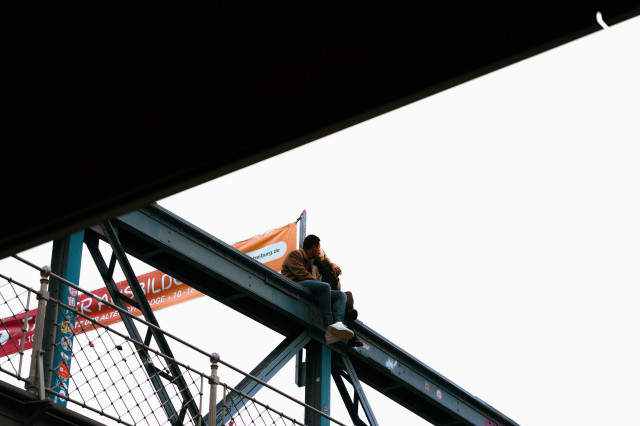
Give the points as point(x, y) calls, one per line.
point(63, 371)
point(160, 289)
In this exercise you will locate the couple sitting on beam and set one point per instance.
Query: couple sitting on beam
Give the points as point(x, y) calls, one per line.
point(310, 267)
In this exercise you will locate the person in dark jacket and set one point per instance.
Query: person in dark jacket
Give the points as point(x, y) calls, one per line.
point(331, 274)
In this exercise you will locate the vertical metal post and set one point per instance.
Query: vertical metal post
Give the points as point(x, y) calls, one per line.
point(318, 383)
point(25, 328)
point(300, 377)
point(224, 403)
point(35, 372)
point(302, 232)
point(213, 381)
point(66, 261)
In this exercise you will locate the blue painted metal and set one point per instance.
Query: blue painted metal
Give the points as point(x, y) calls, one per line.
point(317, 383)
point(174, 375)
point(264, 371)
point(351, 405)
point(346, 370)
point(166, 241)
point(106, 272)
point(67, 256)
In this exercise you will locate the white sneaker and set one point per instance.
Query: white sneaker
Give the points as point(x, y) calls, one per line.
point(336, 332)
point(339, 326)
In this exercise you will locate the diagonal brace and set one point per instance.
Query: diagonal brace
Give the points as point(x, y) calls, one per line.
point(119, 300)
point(160, 338)
point(352, 406)
point(264, 371)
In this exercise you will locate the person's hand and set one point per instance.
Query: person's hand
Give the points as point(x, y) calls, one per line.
point(336, 270)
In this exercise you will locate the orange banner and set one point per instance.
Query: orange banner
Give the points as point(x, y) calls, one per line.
point(271, 247)
point(163, 291)
point(160, 289)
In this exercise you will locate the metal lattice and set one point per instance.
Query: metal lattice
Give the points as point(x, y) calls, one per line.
point(252, 412)
point(15, 321)
point(101, 372)
point(111, 378)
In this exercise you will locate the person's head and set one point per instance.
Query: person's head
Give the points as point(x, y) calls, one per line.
point(311, 245)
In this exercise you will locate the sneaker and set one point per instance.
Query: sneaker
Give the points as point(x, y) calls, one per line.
point(331, 338)
point(336, 332)
point(350, 318)
point(355, 342)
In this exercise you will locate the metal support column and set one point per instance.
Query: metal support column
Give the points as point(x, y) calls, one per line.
point(302, 231)
point(318, 383)
point(35, 382)
point(66, 261)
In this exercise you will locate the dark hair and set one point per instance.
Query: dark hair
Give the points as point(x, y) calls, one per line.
point(310, 241)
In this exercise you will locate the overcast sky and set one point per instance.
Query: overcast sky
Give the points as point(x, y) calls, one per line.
point(492, 231)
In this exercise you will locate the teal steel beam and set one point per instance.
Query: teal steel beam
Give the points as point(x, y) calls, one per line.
point(107, 276)
point(166, 241)
point(351, 405)
point(176, 375)
point(264, 371)
point(317, 383)
point(347, 371)
point(66, 261)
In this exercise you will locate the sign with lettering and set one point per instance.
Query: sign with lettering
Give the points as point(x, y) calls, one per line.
point(160, 289)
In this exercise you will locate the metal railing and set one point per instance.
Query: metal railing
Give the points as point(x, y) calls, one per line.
point(105, 373)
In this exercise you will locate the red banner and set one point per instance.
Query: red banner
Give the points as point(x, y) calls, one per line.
point(160, 289)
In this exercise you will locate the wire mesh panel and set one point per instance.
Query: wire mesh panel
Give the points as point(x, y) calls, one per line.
point(250, 411)
point(16, 320)
point(123, 379)
point(106, 374)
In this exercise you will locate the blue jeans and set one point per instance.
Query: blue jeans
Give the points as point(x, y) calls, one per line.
point(332, 302)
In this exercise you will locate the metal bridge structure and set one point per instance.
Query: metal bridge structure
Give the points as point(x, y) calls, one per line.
point(221, 272)
point(169, 243)
point(223, 90)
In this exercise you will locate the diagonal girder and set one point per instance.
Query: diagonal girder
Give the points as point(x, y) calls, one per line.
point(141, 303)
point(347, 371)
point(107, 277)
point(161, 341)
point(264, 371)
point(168, 242)
point(351, 405)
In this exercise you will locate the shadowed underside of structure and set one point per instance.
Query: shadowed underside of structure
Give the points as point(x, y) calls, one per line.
point(173, 97)
point(107, 111)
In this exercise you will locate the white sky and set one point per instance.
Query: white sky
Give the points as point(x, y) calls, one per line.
point(492, 231)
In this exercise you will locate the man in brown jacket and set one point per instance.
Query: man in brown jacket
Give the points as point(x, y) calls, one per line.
point(298, 266)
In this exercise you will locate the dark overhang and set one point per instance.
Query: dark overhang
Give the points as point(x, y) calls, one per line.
point(108, 112)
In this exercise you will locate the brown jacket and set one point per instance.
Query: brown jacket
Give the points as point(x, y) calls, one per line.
point(297, 267)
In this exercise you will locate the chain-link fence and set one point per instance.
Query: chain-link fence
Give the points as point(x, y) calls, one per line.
point(106, 374)
point(16, 321)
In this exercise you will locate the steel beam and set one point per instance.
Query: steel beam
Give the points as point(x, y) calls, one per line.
point(119, 300)
point(317, 383)
point(175, 375)
point(264, 371)
point(66, 260)
point(347, 371)
point(166, 241)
